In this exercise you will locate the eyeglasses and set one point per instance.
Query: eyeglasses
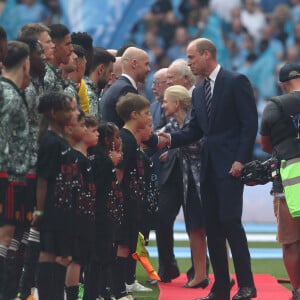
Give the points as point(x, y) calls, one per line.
point(158, 83)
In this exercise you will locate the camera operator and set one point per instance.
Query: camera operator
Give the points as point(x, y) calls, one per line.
point(281, 138)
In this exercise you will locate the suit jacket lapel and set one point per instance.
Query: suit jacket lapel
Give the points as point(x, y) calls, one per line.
point(200, 105)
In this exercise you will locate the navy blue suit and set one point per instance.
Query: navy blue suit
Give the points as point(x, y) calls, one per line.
point(229, 136)
point(110, 98)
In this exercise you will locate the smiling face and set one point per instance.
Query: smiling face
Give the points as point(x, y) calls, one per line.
point(169, 105)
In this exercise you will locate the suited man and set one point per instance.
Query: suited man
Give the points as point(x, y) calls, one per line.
point(158, 87)
point(135, 68)
point(229, 129)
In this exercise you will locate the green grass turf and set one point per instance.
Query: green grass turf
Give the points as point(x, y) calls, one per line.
point(274, 267)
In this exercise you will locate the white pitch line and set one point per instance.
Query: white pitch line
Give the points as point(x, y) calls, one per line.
point(251, 237)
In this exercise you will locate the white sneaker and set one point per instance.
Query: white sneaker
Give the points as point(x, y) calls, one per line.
point(127, 297)
point(136, 287)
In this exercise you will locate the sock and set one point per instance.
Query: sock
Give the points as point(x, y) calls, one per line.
point(34, 235)
point(92, 281)
point(27, 280)
point(13, 269)
point(59, 281)
point(119, 268)
point(130, 270)
point(72, 292)
point(45, 280)
point(24, 239)
point(2, 271)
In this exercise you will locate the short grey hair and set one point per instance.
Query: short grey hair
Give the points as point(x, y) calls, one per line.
point(183, 69)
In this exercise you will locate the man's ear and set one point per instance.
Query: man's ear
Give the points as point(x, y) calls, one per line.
point(134, 63)
point(100, 69)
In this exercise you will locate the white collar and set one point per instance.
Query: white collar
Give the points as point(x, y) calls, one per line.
point(213, 75)
point(130, 79)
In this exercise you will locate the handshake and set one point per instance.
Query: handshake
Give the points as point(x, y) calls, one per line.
point(164, 140)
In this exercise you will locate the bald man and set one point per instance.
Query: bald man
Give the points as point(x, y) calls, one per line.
point(135, 68)
point(159, 86)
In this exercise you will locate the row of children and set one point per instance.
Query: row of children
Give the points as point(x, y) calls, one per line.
point(92, 188)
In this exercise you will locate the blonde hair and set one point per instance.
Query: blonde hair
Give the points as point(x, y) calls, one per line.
point(181, 94)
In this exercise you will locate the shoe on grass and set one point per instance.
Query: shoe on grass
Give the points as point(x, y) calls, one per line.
point(136, 287)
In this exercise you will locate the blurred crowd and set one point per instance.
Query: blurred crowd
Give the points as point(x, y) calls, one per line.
point(254, 37)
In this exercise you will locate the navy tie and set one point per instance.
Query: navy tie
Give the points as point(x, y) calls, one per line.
point(208, 95)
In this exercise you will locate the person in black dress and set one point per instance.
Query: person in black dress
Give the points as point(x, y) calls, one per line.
point(109, 211)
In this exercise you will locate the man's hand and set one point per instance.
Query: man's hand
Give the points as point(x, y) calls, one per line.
point(164, 140)
point(236, 169)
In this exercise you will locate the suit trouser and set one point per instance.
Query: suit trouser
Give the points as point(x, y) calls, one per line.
point(169, 203)
point(219, 229)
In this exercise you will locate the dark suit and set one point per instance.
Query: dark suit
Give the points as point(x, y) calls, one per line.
point(229, 136)
point(110, 98)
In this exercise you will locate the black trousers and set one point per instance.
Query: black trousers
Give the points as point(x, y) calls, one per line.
point(218, 230)
point(169, 203)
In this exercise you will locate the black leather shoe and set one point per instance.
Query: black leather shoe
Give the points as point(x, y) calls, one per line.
point(202, 284)
point(213, 296)
point(173, 272)
point(245, 293)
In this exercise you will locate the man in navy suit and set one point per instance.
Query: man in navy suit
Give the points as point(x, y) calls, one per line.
point(135, 68)
point(229, 130)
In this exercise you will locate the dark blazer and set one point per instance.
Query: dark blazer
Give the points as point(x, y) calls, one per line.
point(110, 98)
point(230, 133)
